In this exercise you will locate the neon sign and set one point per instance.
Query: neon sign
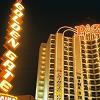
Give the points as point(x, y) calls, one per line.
point(88, 32)
point(7, 97)
point(11, 44)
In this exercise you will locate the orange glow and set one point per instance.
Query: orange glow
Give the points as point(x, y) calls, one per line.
point(7, 97)
point(18, 13)
point(16, 27)
point(89, 32)
point(5, 86)
point(19, 6)
point(15, 18)
point(11, 44)
point(14, 34)
point(9, 65)
point(12, 56)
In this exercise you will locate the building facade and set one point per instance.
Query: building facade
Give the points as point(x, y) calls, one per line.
point(69, 65)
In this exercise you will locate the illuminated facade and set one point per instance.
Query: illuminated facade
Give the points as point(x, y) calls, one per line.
point(69, 66)
point(12, 43)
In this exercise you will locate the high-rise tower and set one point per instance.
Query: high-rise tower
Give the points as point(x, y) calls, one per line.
point(69, 66)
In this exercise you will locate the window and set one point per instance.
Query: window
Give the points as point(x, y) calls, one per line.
point(65, 79)
point(51, 89)
point(70, 44)
point(65, 63)
point(94, 51)
point(52, 56)
point(93, 88)
point(66, 91)
point(65, 57)
point(97, 76)
point(70, 53)
point(71, 58)
point(70, 49)
point(66, 97)
point(65, 48)
point(71, 97)
point(92, 82)
point(65, 73)
point(65, 39)
point(52, 60)
point(71, 91)
point(82, 42)
point(52, 41)
point(98, 94)
point(71, 74)
point(51, 95)
point(52, 71)
point(71, 79)
point(91, 76)
point(93, 94)
point(97, 81)
point(85, 87)
point(83, 51)
point(89, 61)
point(71, 68)
point(52, 46)
point(51, 83)
point(65, 67)
point(51, 65)
point(96, 70)
point(53, 37)
point(98, 40)
point(52, 77)
point(52, 50)
point(86, 94)
point(65, 53)
point(85, 81)
point(71, 85)
point(71, 63)
point(65, 84)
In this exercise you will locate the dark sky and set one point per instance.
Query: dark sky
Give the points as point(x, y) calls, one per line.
point(41, 18)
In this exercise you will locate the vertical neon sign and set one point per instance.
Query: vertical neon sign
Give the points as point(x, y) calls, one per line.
point(11, 44)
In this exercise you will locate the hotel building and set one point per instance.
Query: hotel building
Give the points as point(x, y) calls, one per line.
point(69, 65)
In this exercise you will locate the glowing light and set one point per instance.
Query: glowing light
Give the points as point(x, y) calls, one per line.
point(8, 74)
point(15, 19)
point(13, 42)
point(16, 27)
point(88, 32)
point(7, 97)
point(19, 6)
point(18, 13)
point(9, 65)
point(14, 34)
point(5, 86)
point(12, 56)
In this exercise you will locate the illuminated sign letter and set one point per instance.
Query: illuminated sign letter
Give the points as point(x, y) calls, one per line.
point(18, 13)
point(19, 6)
point(5, 86)
point(15, 26)
point(15, 19)
point(80, 29)
point(8, 74)
point(14, 34)
point(11, 55)
point(13, 42)
point(9, 64)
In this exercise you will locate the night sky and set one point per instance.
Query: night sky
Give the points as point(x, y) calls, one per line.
point(42, 18)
